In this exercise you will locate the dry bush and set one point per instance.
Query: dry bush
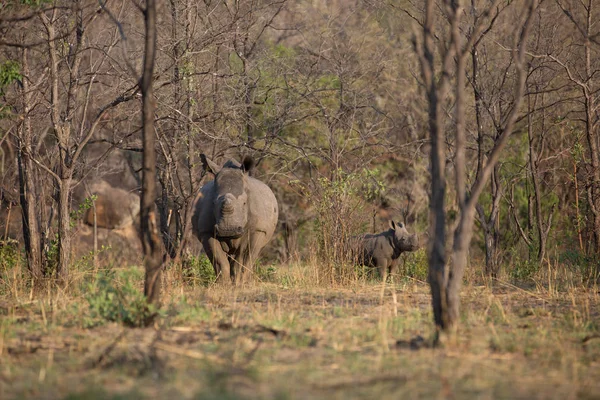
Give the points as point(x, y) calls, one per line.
point(342, 212)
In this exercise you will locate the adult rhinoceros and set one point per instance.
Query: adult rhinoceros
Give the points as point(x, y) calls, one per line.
point(234, 217)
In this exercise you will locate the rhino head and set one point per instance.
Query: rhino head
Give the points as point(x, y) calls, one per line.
point(230, 203)
point(403, 241)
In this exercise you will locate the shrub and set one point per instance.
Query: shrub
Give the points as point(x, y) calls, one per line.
point(340, 202)
point(198, 270)
point(10, 255)
point(12, 266)
point(586, 267)
point(524, 270)
point(415, 265)
point(116, 296)
point(265, 273)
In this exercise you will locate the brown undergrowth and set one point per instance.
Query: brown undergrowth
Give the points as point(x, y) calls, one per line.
point(288, 336)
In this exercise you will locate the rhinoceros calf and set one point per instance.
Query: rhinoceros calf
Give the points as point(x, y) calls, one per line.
point(234, 217)
point(381, 250)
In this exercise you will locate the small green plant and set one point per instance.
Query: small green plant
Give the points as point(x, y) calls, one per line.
point(364, 273)
point(51, 255)
point(10, 255)
point(287, 281)
point(415, 265)
point(198, 270)
point(10, 71)
point(11, 261)
point(76, 215)
point(524, 270)
point(114, 296)
point(186, 311)
point(265, 273)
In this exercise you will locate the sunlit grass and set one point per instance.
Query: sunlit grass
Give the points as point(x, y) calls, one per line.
point(290, 334)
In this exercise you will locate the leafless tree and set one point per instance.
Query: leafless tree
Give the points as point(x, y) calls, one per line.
point(27, 188)
point(69, 109)
point(578, 57)
point(446, 279)
point(154, 254)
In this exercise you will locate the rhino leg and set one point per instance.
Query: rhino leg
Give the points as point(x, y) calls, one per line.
point(244, 262)
point(394, 266)
point(244, 265)
point(218, 258)
point(240, 265)
point(382, 265)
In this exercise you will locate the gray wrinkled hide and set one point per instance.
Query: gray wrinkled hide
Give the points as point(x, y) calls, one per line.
point(116, 208)
point(382, 250)
point(234, 217)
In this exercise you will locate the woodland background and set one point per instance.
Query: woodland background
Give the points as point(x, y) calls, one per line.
point(327, 96)
point(345, 106)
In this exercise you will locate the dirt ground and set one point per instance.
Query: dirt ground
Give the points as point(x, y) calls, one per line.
point(282, 341)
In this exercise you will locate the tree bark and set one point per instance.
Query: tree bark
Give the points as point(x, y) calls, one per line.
point(154, 255)
point(438, 275)
point(541, 231)
point(27, 189)
point(595, 159)
point(490, 227)
point(64, 227)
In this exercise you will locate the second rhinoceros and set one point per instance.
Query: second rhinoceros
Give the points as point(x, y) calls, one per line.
point(381, 250)
point(234, 217)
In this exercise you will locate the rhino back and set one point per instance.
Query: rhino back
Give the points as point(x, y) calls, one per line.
point(377, 245)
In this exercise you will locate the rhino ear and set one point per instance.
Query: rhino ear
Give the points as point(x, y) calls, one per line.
point(247, 164)
point(209, 165)
point(396, 225)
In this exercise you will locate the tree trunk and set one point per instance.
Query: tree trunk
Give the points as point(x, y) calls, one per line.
point(460, 252)
point(577, 214)
point(541, 231)
point(438, 274)
point(152, 244)
point(64, 227)
point(595, 175)
point(29, 203)
point(490, 227)
point(165, 212)
point(27, 189)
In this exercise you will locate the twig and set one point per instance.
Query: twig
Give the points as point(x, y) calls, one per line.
point(196, 355)
point(510, 285)
point(363, 382)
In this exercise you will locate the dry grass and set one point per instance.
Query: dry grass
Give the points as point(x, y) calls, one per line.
point(296, 337)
